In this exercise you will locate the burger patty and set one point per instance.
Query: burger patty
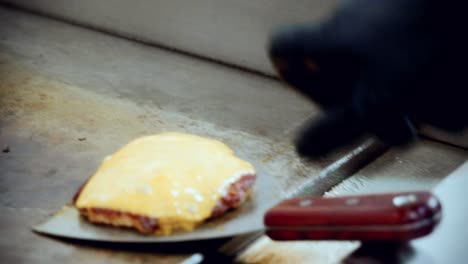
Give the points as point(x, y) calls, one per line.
point(236, 194)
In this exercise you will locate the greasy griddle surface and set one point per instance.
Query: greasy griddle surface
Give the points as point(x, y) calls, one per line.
point(59, 133)
point(247, 218)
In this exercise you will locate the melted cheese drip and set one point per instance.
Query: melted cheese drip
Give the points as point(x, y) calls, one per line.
point(174, 177)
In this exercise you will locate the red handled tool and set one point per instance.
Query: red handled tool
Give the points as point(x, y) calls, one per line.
point(379, 217)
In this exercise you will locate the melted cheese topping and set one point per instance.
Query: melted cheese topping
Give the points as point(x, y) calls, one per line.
point(174, 177)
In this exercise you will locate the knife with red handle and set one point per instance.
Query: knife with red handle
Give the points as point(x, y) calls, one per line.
point(377, 217)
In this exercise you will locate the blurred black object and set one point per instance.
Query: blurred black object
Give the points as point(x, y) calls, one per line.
point(378, 67)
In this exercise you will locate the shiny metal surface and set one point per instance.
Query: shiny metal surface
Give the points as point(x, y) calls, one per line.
point(452, 230)
point(420, 166)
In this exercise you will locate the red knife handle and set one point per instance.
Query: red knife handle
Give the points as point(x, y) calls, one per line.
point(386, 217)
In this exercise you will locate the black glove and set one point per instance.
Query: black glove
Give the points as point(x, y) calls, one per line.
point(379, 67)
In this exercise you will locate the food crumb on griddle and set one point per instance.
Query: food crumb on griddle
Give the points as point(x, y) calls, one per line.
point(6, 149)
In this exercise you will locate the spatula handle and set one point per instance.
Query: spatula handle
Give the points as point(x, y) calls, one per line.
point(393, 216)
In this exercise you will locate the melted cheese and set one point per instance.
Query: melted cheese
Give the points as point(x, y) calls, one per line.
point(174, 177)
